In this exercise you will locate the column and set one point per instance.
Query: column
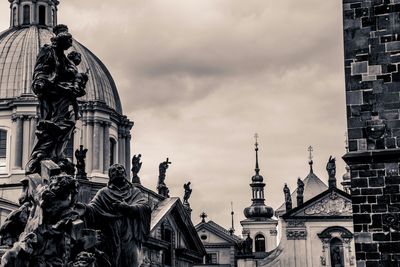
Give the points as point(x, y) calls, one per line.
point(19, 131)
point(34, 14)
point(106, 146)
point(96, 146)
point(26, 140)
point(32, 130)
point(89, 146)
point(121, 146)
point(128, 154)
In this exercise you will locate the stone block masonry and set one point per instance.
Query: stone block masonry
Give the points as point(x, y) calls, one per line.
point(372, 73)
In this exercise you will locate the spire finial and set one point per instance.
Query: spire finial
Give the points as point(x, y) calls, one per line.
point(232, 230)
point(310, 157)
point(257, 169)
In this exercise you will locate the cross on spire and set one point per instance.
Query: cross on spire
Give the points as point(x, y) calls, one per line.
point(310, 157)
point(256, 144)
point(203, 216)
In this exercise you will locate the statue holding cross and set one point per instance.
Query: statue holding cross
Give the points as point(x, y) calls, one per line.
point(162, 187)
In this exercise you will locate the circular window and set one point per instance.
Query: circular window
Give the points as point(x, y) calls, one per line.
point(203, 237)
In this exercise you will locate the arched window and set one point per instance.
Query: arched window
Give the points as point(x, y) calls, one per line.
point(15, 17)
point(42, 15)
point(26, 14)
point(3, 150)
point(336, 252)
point(260, 243)
point(112, 151)
point(53, 17)
point(69, 149)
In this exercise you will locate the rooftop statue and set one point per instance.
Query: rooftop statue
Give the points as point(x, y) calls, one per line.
point(162, 187)
point(288, 197)
point(122, 214)
point(331, 169)
point(57, 84)
point(188, 193)
point(80, 155)
point(300, 192)
point(136, 166)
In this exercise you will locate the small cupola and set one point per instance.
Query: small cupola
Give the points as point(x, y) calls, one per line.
point(33, 12)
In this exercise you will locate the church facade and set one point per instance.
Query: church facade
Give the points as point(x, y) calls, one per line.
point(315, 229)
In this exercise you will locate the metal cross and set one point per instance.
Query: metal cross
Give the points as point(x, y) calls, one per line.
point(310, 150)
point(256, 137)
point(203, 216)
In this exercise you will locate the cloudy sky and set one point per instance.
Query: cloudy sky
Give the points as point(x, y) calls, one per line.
point(200, 77)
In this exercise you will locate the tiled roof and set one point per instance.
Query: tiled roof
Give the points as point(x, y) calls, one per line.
point(18, 50)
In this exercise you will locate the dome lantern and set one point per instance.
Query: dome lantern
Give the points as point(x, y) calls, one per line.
point(33, 12)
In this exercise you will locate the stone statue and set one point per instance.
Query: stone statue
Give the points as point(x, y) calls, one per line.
point(80, 155)
point(57, 84)
point(248, 245)
point(331, 169)
point(123, 215)
point(288, 197)
point(162, 187)
point(80, 78)
point(136, 166)
point(300, 191)
point(336, 258)
point(54, 235)
point(188, 192)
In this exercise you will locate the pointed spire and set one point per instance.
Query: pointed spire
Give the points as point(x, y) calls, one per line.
point(257, 169)
point(310, 157)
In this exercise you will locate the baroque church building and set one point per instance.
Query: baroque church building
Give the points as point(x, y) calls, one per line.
point(103, 130)
point(313, 227)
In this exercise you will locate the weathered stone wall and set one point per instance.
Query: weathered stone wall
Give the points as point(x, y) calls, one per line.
point(372, 59)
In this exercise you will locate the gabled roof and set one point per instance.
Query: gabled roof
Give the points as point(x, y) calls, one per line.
point(332, 203)
point(175, 207)
point(219, 231)
point(313, 186)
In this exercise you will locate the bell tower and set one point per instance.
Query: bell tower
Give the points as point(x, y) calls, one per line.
point(33, 12)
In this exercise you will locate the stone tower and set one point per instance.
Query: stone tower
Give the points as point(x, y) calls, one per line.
point(372, 71)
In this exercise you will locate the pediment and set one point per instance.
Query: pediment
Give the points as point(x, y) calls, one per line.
point(331, 204)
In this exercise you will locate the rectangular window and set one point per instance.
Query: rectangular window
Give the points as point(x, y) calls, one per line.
point(3, 151)
point(212, 258)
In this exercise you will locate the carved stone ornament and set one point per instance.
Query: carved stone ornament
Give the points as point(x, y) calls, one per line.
point(333, 205)
point(323, 261)
point(273, 232)
point(296, 234)
point(295, 224)
point(391, 220)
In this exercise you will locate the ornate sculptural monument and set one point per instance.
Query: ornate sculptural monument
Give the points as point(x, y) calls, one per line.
point(51, 228)
point(57, 84)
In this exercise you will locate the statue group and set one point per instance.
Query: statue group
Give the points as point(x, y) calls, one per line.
point(51, 228)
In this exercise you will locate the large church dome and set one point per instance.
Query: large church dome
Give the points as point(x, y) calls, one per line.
point(103, 129)
point(20, 45)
